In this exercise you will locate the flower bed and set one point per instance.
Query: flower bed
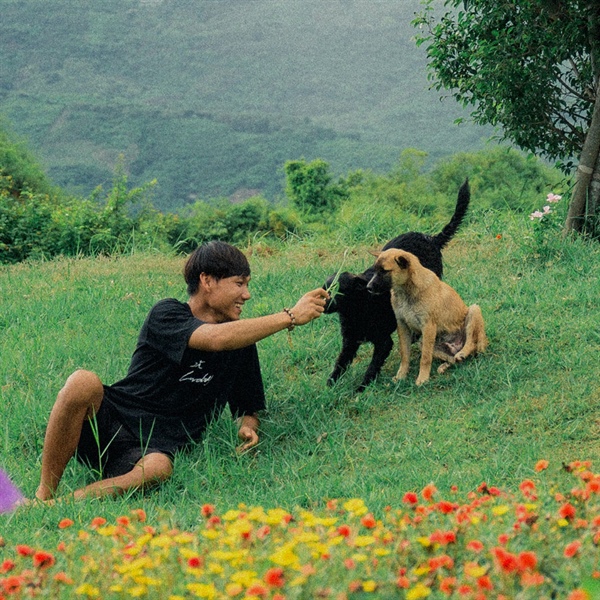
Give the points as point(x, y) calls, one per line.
point(536, 542)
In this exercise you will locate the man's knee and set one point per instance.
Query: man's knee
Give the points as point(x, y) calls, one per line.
point(83, 389)
point(156, 467)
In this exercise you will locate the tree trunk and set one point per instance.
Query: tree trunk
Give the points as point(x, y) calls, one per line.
point(587, 178)
point(585, 203)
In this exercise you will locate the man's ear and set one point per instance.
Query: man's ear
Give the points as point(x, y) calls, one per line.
point(206, 281)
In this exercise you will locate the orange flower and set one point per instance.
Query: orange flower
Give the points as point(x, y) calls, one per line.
point(531, 579)
point(274, 577)
point(124, 521)
point(428, 492)
point(578, 595)
point(485, 583)
point(139, 514)
point(527, 488)
point(62, 577)
point(64, 523)
point(572, 549)
point(541, 465)
point(97, 522)
point(207, 510)
point(403, 582)
point(368, 521)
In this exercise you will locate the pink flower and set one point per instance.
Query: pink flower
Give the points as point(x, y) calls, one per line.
point(553, 197)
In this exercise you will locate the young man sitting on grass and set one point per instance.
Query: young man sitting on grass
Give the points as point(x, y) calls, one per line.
point(191, 360)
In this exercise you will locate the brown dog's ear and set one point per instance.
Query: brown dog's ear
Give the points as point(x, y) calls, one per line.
point(374, 253)
point(402, 262)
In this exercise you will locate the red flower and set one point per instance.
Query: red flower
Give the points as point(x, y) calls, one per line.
point(505, 560)
point(475, 546)
point(567, 511)
point(403, 582)
point(578, 595)
point(344, 530)
point(447, 585)
point(527, 561)
point(349, 563)
point(572, 549)
point(485, 583)
point(12, 584)
point(23, 550)
point(43, 560)
point(446, 507)
point(527, 488)
point(530, 579)
point(124, 521)
point(274, 577)
point(194, 562)
point(257, 589)
point(7, 565)
point(410, 498)
point(368, 521)
point(207, 510)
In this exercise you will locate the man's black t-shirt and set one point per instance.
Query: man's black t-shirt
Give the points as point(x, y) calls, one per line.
point(171, 392)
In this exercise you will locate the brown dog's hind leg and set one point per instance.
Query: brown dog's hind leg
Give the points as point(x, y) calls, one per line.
point(476, 340)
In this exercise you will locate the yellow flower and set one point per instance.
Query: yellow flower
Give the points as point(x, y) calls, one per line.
point(245, 578)
point(419, 591)
point(87, 589)
point(356, 506)
point(231, 515)
point(364, 540)
point(424, 541)
point(500, 510)
point(285, 556)
point(369, 586)
point(137, 591)
point(210, 534)
point(202, 590)
point(233, 589)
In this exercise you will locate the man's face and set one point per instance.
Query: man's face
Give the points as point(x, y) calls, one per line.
point(228, 296)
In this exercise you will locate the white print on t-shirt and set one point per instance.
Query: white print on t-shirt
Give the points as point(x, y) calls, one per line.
point(205, 379)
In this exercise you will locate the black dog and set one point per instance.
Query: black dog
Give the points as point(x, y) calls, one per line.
point(367, 317)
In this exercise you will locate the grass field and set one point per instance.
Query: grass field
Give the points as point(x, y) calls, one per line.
point(534, 395)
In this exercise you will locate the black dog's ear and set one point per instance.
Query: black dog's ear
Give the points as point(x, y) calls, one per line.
point(403, 262)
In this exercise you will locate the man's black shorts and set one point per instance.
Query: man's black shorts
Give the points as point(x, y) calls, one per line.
point(107, 447)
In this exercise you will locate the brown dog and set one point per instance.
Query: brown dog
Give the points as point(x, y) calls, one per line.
point(423, 303)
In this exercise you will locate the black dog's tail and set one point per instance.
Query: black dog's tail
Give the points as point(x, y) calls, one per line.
point(462, 204)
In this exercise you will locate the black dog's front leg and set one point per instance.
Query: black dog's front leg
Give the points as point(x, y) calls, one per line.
point(381, 351)
point(349, 350)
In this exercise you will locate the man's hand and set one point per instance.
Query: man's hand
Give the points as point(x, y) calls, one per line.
point(248, 432)
point(310, 306)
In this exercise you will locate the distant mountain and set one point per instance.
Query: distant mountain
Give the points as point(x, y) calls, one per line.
point(211, 97)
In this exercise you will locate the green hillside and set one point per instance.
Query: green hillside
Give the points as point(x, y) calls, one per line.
point(211, 97)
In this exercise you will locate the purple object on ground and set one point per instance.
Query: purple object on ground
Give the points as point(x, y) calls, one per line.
point(9, 493)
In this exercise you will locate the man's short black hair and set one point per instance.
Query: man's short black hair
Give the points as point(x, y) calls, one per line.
point(215, 258)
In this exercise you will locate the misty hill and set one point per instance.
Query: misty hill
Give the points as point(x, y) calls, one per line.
point(211, 97)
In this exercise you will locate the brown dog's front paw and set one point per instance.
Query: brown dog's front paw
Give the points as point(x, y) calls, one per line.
point(422, 379)
point(444, 367)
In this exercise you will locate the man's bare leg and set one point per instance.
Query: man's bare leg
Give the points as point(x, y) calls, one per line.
point(80, 398)
point(149, 471)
